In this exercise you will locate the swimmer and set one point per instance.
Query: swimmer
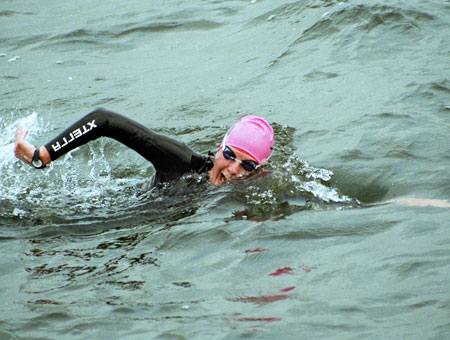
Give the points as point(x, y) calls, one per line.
point(246, 146)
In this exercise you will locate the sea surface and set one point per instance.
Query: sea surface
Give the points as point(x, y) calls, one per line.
point(316, 245)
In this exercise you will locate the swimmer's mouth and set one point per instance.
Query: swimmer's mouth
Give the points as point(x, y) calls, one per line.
point(223, 179)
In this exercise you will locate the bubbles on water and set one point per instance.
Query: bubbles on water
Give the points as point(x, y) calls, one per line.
point(257, 196)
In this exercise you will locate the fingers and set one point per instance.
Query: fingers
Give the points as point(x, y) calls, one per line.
point(22, 149)
point(20, 134)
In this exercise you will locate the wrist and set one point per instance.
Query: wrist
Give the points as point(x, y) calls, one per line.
point(37, 161)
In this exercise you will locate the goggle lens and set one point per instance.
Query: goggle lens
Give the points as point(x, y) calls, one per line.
point(247, 164)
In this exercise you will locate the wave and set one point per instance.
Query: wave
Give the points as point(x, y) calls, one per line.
point(436, 91)
point(363, 25)
point(365, 19)
point(111, 38)
point(283, 12)
point(190, 25)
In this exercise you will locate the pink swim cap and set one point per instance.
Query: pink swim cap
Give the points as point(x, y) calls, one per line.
point(252, 135)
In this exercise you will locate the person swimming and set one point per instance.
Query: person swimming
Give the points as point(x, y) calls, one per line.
point(247, 145)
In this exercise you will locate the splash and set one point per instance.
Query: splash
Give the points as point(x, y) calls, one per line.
point(295, 182)
point(65, 190)
point(287, 185)
point(13, 187)
point(7, 130)
point(313, 181)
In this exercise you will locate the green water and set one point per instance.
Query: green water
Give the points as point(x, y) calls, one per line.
point(358, 94)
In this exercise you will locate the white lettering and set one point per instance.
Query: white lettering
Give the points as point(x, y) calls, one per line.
point(74, 134)
point(77, 133)
point(56, 146)
point(65, 142)
point(92, 125)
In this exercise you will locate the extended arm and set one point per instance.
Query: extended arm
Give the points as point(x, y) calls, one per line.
point(169, 157)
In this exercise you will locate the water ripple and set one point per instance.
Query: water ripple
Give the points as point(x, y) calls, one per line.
point(351, 24)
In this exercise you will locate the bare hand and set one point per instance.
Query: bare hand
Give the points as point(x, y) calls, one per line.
point(23, 150)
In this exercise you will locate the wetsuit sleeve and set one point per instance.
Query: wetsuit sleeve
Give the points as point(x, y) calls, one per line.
point(169, 156)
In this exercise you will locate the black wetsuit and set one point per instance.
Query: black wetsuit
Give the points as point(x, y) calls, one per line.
point(170, 158)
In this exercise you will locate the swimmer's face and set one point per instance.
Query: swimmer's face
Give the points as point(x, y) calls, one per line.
point(228, 169)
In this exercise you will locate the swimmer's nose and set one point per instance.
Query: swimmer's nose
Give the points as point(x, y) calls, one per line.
point(234, 168)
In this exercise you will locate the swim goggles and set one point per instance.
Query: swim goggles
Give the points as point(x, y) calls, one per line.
point(247, 164)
